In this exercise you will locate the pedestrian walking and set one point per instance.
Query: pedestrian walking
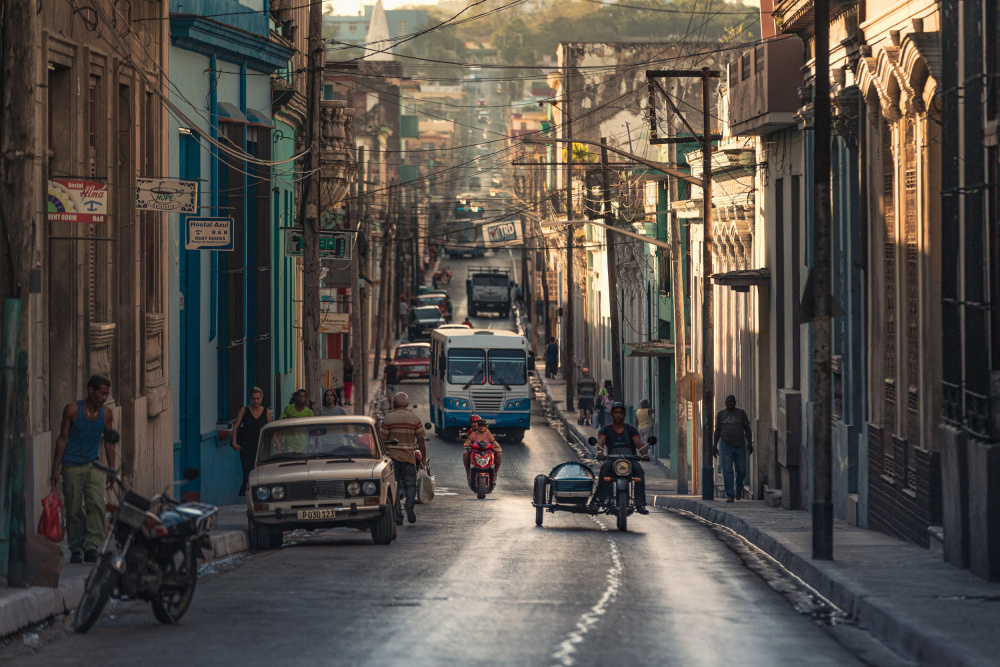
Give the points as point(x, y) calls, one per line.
point(586, 389)
point(605, 399)
point(645, 419)
point(390, 377)
point(348, 381)
point(85, 424)
point(299, 407)
point(403, 433)
point(733, 441)
point(246, 437)
point(332, 407)
point(551, 358)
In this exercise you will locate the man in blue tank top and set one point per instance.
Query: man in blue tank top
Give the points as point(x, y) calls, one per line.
point(84, 424)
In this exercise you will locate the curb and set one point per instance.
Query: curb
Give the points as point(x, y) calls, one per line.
point(880, 617)
point(25, 607)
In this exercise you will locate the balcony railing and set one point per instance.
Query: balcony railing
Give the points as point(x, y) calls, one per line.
point(763, 87)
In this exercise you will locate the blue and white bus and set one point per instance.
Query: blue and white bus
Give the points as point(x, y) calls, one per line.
point(483, 372)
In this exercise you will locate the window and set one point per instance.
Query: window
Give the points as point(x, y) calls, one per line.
point(508, 367)
point(466, 366)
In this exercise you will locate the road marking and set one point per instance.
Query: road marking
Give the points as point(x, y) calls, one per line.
point(564, 656)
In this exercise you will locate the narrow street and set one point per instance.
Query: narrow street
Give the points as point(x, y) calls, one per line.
point(475, 582)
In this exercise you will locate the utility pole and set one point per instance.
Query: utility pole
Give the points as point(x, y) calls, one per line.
point(310, 209)
point(569, 363)
point(383, 316)
point(21, 197)
point(680, 354)
point(822, 508)
point(361, 372)
point(616, 334)
point(358, 352)
point(707, 334)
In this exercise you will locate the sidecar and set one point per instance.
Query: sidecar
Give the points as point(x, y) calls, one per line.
point(568, 488)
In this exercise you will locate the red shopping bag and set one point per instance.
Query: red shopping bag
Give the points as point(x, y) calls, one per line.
point(50, 525)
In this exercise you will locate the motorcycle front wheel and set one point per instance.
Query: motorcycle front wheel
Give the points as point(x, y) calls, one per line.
point(481, 485)
point(171, 605)
point(623, 511)
point(100, 584)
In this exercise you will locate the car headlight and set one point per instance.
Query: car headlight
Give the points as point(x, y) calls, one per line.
point(622, 467)
point(277, 492)
point(353, 489)
point(369, 488)
point(263, 493)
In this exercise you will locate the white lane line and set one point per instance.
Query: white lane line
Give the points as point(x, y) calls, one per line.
point(567, 649)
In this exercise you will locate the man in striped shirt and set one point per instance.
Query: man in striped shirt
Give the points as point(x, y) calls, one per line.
point(403, 433)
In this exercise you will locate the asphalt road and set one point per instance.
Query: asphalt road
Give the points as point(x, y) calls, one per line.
point(475, 582)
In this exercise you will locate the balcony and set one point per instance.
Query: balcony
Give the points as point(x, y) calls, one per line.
point(764, 88)
point(798, 17)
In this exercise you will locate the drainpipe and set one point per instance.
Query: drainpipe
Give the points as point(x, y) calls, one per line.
point(213, 119)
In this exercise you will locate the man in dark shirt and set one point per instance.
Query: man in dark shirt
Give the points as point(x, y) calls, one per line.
point(551, 358)
point(732, 428)
point(621, 438)
point(390, 378)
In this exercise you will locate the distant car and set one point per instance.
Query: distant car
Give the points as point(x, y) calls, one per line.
point(482, 102)
point(439, 299)
point(424, 320)
point(413, 360)
point(344, 479)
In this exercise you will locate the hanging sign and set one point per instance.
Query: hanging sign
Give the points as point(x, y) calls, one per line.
point(165, 194)
point(334, 323)
point(78, 201)
point(502, 234)
point(209, 234)
point(332, 244)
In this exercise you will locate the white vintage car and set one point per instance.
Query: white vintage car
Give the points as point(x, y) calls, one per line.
point(321, 472)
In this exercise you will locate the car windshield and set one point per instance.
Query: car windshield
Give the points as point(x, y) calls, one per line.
point(465, 365)
point(415, 352)
point(427, 313)
point(291, 442)
point(508, 367)
point(492, 281)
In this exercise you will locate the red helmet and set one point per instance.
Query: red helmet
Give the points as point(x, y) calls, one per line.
point(474, 418)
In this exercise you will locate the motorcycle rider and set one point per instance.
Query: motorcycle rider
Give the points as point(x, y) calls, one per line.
point(620, 438)
point(480, 433)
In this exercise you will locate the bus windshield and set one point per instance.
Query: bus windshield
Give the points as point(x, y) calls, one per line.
point(508, 367)
point(466, 365)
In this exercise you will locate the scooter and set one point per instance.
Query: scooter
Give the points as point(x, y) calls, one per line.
point(481, 460)
point(148, 555)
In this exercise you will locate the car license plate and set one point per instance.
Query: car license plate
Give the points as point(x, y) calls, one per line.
point(318, 514)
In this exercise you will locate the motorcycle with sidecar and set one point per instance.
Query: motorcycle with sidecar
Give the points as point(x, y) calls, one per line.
point(570, 487)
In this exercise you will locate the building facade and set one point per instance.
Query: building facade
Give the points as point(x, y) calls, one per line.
point(222, 321)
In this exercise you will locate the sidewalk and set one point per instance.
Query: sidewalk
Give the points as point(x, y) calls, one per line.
point(904, 595)
point(21, 608)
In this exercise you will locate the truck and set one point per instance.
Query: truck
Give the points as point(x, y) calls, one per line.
point(489, 290)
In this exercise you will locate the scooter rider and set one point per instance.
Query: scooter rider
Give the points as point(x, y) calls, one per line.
point(621, 438)
point(480, 433)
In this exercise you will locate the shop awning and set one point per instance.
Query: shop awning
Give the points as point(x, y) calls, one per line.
point(742, 281)
point(651, 348)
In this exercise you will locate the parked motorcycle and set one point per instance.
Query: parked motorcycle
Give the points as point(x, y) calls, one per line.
point(483, 478)
point(148, 555)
